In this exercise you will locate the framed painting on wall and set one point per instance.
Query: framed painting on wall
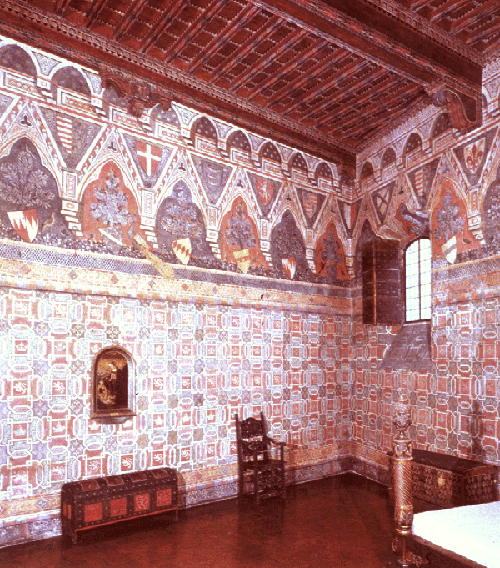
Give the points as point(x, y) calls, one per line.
point(112, 391)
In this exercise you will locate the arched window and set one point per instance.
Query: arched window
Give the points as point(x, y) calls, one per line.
point(418, 280)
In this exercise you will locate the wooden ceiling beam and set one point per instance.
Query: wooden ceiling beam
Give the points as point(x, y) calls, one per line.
point(93, 13)
point(194, 28)
point(220, 41)
point(350, 123)
point(286, 42)
point(376, 35)
point(246, 48)
point(61, 6)
point(317, 69)
point(28, 24)
point(462, 23)
point(292, 63)
point(128, 18)
point(169, 14)
point(358, 86)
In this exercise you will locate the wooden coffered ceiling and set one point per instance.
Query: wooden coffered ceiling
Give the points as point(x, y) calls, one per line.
point(325, 76)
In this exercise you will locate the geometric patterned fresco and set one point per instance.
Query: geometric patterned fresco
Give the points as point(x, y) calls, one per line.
point(229, 276)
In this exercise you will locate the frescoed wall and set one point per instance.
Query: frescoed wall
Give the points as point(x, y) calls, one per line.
point(443, 187)
point(228, 267)
point(166, 240)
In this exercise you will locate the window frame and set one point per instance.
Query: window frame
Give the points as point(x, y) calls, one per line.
point(405, 282)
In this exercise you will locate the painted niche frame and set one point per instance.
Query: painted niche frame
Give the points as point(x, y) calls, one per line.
point(113, 379)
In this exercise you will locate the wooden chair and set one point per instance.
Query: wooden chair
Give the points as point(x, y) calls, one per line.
point(261, 464)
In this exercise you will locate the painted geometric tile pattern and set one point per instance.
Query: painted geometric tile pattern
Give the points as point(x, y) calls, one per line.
point(196, 365)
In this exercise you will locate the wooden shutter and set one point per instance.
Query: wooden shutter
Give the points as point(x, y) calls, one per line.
point(381, 288)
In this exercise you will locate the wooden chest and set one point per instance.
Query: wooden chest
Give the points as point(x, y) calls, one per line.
point(449, 481)
point(103, 500)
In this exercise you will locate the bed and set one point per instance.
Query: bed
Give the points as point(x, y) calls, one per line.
point(459, 537)
point(470, 535)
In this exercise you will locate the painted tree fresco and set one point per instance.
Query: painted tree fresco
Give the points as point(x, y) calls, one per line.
point(451, 236)
point(180, 228)
point(330, 257)
point(110, 215)
point(239, 238)
point(288, 250)
point(29, 200)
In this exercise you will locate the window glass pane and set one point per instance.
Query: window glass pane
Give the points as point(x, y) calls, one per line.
point(412, 294)
point(425, 264)
point(426, 313)
point(412, 304)
point(425, 281)
point(412, 315)
point(425, 248)
point(411, 270)
point(412, 280)
point(418, 269)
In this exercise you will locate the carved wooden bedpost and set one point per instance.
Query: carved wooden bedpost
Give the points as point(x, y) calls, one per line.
point(402, 482)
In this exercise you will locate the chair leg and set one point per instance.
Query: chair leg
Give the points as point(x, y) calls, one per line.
point(240, 483)
point(256, 485)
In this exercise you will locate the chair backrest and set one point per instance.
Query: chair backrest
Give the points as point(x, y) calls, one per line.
point(251, 430)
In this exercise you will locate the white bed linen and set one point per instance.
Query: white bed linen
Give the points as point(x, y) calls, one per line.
point(472, 531)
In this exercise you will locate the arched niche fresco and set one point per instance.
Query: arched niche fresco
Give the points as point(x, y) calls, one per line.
point(166, 116)
point(270, 152)
point(298, 162)
point(413, 143)
point(324, 171)
point(110, 216)
point(441, 125)
point(238, 146)
point(239, 239)
point(366, 171)
point(204, 134)
point(15, 58)
point(113, 386)
point(366, 176)
point(450, 234)
point(180, 228)
point(330, 256)
point(30, 205)
point(288, 250)
point(71, 79)
point(388, 159)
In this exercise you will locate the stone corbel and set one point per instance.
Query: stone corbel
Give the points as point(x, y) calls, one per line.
point(139, 96)
point(464, 108)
